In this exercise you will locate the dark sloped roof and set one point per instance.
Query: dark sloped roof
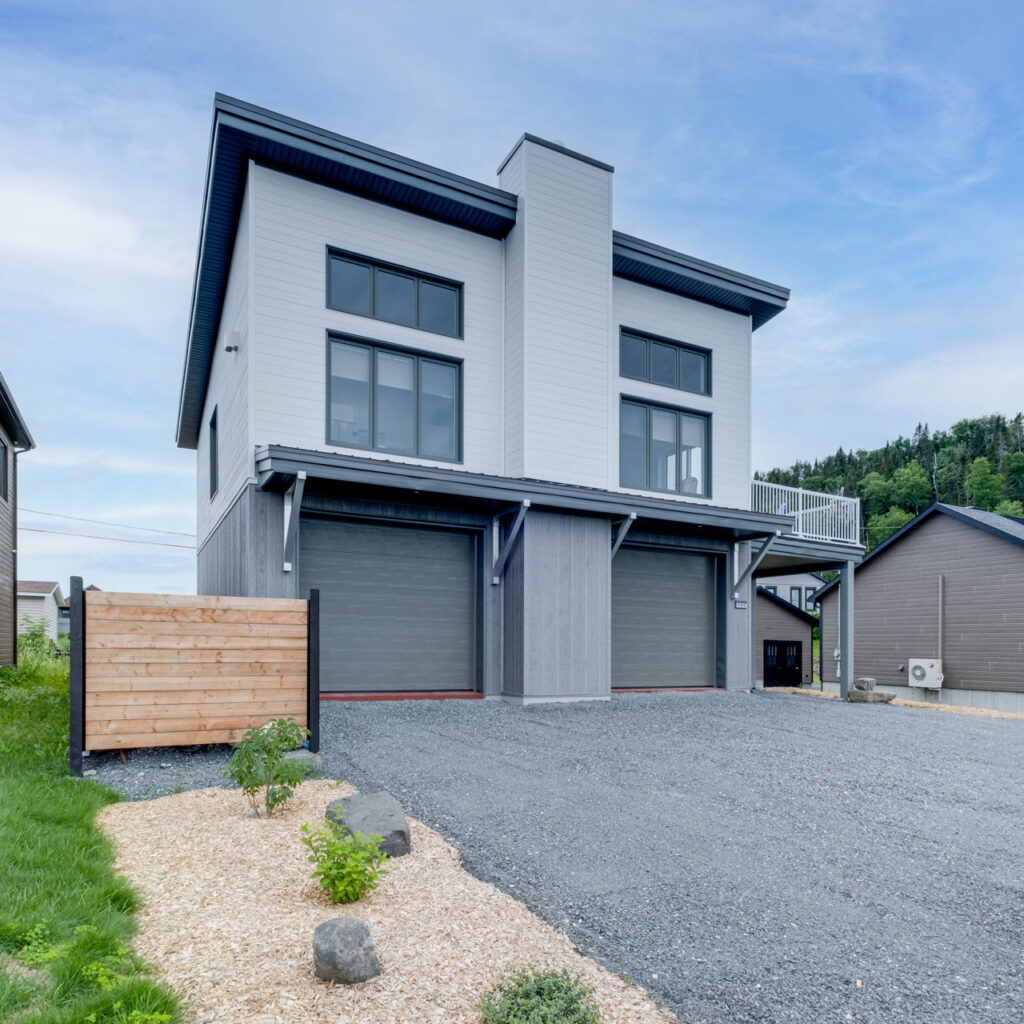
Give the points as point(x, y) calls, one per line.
point(43, 587)
point(807, 617)
point(11, 419)
point(1008, 528)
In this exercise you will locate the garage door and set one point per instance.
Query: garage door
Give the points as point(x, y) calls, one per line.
point(398, 605)
point(663, 618)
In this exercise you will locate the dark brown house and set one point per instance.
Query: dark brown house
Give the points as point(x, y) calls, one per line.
point(949, 587)
point(784, 641)
point(14, 437)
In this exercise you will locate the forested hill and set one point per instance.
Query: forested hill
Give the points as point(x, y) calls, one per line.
point(976, 462)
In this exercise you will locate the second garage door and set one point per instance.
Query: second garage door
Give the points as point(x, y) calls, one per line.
point(663, 618)
point(398, 605)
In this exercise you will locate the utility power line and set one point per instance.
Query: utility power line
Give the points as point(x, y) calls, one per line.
point(120, 540)
point(104, 522)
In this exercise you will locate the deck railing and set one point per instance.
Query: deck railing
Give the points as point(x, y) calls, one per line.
point(817, 516)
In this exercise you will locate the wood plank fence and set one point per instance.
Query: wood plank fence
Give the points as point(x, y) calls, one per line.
point(162, 670)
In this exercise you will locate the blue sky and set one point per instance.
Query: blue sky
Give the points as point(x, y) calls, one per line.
point(870, 156)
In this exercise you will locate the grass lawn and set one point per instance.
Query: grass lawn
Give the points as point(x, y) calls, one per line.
point(65, 916)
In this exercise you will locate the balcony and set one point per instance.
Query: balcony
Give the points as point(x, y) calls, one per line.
point(816, 516)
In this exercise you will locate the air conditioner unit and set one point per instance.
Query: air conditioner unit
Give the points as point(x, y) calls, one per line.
point(925, 673)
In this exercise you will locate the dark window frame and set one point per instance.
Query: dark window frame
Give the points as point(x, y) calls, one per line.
point(799, 602)
point(214, 456)
point(420, 355)
point(418, 276)
point(700, 414)
point(5, 469)
point(773, 591)
point(685, 346)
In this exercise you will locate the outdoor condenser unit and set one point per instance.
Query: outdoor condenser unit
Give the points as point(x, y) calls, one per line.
point(926, 673)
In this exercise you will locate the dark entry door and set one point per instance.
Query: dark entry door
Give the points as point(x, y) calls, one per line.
point(783, 663)
point(398, 604)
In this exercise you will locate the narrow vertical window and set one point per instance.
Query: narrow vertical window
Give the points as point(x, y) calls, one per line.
point(213, 453)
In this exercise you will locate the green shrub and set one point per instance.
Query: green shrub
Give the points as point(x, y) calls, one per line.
point(347, 866)
point(531, 995)
point(259, 768)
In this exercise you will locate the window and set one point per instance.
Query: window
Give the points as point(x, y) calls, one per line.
point(773, 590)
point(368, 287)
point(796, 595)
point(213, 453)
point(661, 361)
point(811, 591)
point(390, 400)
point(663, 449)
point(3, 471)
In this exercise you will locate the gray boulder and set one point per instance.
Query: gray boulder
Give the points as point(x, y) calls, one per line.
point(374, 814)
point(313, 763)
point(870, 697)
point(343, 951)
point(864, 683)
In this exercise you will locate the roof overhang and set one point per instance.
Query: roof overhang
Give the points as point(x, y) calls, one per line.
point(11, 418)
point(793, 554)
point(242, 132)
point(672, 271)
point(277, 466)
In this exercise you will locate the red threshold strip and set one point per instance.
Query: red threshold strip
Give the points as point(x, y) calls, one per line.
point(666, 689)
point(408, 695)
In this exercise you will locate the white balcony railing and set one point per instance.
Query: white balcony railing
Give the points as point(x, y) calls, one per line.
point(817, 516)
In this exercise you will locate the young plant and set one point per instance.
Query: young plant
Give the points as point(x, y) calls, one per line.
point(259, 767)
point(534, 996)
point(347, 866)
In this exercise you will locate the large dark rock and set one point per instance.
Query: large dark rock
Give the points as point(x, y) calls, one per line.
point(343, 951)
point(870, 697)
point(374, 814)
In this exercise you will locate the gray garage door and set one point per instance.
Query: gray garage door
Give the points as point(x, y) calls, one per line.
point(397, 605)
point(663, 618)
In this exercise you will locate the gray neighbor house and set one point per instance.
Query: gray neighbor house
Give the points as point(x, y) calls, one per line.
point(946, 590)
point(14, 438)
point(510, 445)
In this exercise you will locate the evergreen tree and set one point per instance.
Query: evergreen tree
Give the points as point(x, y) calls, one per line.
point(984, 488)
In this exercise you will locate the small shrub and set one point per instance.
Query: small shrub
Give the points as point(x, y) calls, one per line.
point(534, 996)
point(347, 866)
point(259, 768)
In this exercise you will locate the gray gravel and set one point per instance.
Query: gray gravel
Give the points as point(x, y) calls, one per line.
point(744, 857)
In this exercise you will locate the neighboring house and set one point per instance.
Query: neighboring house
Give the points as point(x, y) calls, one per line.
point(949, 586)
point(785, 635)
point(14, 439)
point(39, 601)
point(64, 613)
point(798, 589)
point(509, 445)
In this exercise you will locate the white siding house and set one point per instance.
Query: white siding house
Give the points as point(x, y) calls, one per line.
point(509, 445)
point(38, 602)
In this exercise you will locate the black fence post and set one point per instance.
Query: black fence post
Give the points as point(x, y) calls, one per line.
point(313, 670)
point(76, 695)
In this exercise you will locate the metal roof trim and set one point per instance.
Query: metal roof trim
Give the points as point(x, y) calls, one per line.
point(12, 420)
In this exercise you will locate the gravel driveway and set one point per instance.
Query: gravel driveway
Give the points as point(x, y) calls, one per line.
point(744, 857)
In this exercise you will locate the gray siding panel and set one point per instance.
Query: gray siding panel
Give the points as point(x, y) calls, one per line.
point(223, 557)
point(775, 623)
point(398, 604)
point(513, 620)
point(8, 543)
point(897, 609)
point(664, 612)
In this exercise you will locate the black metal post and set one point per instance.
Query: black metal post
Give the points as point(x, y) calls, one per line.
point(313, 670)
point(76, 737)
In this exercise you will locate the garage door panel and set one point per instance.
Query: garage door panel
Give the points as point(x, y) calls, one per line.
point(398, 605)
point(663, 618)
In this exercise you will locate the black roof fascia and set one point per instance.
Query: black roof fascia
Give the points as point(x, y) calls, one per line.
point(242, 132)
point(807, 617)
point(276, 465)
point(672, 271)
point(10, 417)
point(953, 511)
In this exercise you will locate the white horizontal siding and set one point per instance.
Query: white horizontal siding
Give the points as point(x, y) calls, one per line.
point(727, 335)
point(42, 609)
point(228, 391)
point(294, 221)
point(565, 308)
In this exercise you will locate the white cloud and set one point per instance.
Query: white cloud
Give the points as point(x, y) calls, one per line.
point(117, 461)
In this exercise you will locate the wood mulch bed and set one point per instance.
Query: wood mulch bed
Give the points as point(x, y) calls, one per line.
point(229, 909)
point(903, 703)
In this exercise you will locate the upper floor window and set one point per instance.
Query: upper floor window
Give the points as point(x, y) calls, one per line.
point(214, 483)
point(663, 449)
point(662, 361)
point(391, 400)
point(3, 470)
point(356, 284)
point(796, 596)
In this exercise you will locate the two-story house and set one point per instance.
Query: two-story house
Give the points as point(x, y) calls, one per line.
point(508, 444)
point(14, 438)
